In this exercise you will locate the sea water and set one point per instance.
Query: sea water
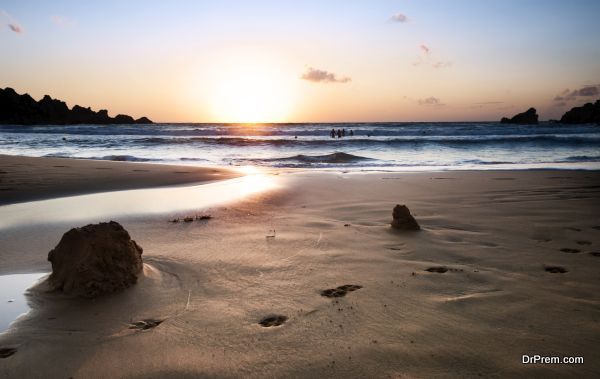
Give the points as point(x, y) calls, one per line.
point(373, 146)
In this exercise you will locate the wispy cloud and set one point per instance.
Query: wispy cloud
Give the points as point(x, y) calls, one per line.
point(399, 17)
point(322, 76)
point(61, 21)
point(484, 104)
point(431, 102)
point(425, 58)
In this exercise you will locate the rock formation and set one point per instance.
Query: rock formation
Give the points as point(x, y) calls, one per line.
point(588, 113)
point(528, 117)
point(403, 220)
point(94, 260)
point(24, 110)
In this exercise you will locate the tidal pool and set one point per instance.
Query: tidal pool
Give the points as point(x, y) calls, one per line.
point(13, 302)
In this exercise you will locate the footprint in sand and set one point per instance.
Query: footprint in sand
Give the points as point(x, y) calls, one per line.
point(555, 269)
point(340, 291)
point(443, 269)
point(573, 229)
point(595, 253)
point(584, 243)
point(274, 320)
point(145, 324)
point(6, 352)
point(438, 269)
point(570, 251)
point(597, 227)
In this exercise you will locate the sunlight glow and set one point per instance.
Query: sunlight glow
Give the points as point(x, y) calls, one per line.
point(250, 89)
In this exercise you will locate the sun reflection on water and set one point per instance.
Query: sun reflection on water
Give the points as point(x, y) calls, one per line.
point(106, 205)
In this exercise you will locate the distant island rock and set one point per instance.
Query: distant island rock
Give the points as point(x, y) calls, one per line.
point(24, 110)
point(528, 117)
point(586, 114)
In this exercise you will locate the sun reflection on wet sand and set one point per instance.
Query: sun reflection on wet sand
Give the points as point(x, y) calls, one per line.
point(100, 206)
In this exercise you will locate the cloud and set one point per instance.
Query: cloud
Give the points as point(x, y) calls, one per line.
point(585, 91)
point(431, 101)
point(399, 17)
point(12, 23)
point(588, 91)
point(322, 76)
point(15, 28)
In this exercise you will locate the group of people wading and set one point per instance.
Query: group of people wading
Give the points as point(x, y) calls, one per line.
point(340, 133)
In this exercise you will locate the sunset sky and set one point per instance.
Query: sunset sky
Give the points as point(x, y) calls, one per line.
point(305, 61)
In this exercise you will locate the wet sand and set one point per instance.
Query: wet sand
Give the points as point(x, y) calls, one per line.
point(486, 280)
point(28, 178)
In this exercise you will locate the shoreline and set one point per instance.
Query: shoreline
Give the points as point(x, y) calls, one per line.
point(24, 179)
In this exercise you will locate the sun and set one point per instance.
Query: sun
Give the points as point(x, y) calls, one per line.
point(250, 91)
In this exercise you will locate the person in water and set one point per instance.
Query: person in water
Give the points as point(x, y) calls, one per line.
point(332, 133)
point(351, 133)
point(339, 133)
point(343, 132)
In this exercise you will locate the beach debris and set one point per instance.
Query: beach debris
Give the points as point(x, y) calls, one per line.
point(188, 219)
point(145, 324)
point(340, 291)
point(271, 233)
point(555, 269)
point(274, 320)
point(570, 251)
point(94, 260)
point(403, 220)
point(6, 352)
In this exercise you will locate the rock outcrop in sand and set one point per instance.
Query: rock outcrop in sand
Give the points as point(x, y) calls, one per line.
point(403, 220)
point(94, 260)
point(528, 117)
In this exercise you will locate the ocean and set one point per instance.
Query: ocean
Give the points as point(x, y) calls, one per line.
point(373, 146)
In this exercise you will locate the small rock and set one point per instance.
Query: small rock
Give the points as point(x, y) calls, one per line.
point(403, 220)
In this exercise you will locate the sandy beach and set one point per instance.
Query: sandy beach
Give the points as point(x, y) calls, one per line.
point(467, 296)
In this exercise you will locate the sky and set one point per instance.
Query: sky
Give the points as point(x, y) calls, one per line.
point(305, 61)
